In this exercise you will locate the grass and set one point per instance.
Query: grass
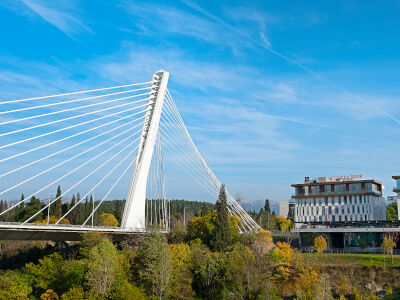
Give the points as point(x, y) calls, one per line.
point(364, 260)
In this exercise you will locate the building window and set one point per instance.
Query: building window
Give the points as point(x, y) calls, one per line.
point(336, 210)
point(349, 199)
point(354, 209)
point(340, 218)
point(315, 201)
point(358, 209)
point(330, 210)
point(345, 199)
point(312, 210)
point(355, 199)
point(320, 201)
point(342, 210)
point(323, 210)
point(348, 209)
point(363, 209)
point(360, 198)
point(333, 218)
point(365, 198)
point(340, 200)
point(326, 200)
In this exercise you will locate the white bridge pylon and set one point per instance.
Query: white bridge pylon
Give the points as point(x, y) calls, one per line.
point(135, 208)
point(103, 134)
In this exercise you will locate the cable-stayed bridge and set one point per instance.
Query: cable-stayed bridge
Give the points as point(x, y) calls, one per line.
point(98, 136)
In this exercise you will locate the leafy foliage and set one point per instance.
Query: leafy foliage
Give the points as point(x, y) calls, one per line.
point(320, 244)
point(221, 235)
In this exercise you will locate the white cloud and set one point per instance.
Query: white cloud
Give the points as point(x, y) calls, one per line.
point(60, 14)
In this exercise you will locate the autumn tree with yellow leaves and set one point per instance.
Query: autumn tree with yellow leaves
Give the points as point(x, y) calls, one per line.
point(320, 244)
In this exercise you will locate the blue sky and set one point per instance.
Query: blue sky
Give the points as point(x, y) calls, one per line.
point(270, 91)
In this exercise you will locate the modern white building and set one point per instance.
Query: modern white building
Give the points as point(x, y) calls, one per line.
point(396, 189)
point(339, 199)
point(283, 208)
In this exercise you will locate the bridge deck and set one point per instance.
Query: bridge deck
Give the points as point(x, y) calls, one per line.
point(17, 231)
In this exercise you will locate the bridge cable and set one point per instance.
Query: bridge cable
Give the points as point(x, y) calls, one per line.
point(73, 93)
point(68, 137)
point(68, 127)
point(241, 212)
point(65, 175)
point(83, 180)
point(69, 159)
point(75, 145)
point(70, 109)
point(71, 101)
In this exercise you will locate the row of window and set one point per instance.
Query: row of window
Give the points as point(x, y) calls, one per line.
point(360, 199)
point(307, 211)
point(333, 218)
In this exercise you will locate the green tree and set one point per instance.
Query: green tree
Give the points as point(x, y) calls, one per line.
point(33, 206)
point(205, 210)
point(221, 237)
point(391, 211)
point(72, 214)
point(53, 272)
point(108, 220)
point(74, 293)
point(266, 206)
point(14, 285)
point(78, 210)
point(22, 205)
point(57, 210)
point(182, 278)
point(154, 264)
point(105, 267)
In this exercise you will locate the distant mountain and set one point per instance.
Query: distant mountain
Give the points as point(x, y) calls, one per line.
point(255, 205)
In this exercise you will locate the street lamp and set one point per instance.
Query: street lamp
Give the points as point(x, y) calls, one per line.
point(48, 211)
point(184, 219)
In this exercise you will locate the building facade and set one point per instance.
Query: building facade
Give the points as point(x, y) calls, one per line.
point(284, 208)
point(338, 199)
point(396, 189)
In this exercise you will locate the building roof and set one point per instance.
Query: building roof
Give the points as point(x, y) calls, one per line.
point(337, 182)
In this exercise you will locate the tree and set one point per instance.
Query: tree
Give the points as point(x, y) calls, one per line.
point(181, 277)
point(49, 295)
point(266, 206)
point(154, 264)
point(320, 244)
point(205, 210)
point(108, 220)
point(221, 236)
point(87, 213)
point(105, 267)
point(119, 211)
point(262, 241)
point(22, 205)
point(78, 210)
point(389, 242)
point(282, 223)
point(72, 214)
point(57, 211)
point(391, 211)
point(33, 206)
point(284, 255)
point(14, 285)
point(74, 293)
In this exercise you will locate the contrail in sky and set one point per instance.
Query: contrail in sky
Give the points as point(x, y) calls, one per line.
point(308, 70)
